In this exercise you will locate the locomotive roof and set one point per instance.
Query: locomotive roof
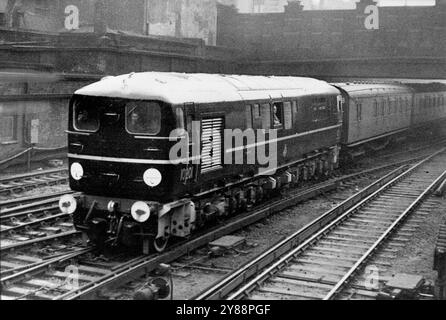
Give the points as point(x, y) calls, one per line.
point(363, 88)
point(178, 88)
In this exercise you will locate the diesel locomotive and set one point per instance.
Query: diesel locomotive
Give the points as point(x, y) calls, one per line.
point(159, 155)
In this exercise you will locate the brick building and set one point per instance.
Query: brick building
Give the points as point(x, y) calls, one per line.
point(42, 63)
point(175, 18)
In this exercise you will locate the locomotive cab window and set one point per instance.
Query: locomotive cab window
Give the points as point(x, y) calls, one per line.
point(86, 117)
point(143, 117)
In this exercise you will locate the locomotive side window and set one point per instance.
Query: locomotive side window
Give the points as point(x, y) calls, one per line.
point(278, 114)
point(180, 118)
point(86, 117)
point(143, 117)
point(248, 116)
point(295, 111)
point(256, 116)
point(266, 116)
point(288, 116)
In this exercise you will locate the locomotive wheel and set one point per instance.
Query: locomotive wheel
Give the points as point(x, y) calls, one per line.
point(160, 244)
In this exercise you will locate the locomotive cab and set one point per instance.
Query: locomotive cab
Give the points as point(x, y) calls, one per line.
point(119, 160)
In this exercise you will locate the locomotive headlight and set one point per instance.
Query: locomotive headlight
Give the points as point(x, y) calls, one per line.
point(76, 170)
point(67, 204)
point(140, 211)
point(152, 177)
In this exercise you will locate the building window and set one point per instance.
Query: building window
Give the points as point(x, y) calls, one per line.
point(8, 129)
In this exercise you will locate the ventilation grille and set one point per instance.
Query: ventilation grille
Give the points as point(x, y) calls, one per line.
point(211, 141)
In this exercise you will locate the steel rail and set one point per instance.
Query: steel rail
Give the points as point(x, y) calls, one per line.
point(34, 222)
point(23, 244)
point(38, 211)
point(29, 272)
point(24, 201)
point(30, 207)
point(25, 176)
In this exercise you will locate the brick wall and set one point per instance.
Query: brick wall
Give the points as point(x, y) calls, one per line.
point(329, 34)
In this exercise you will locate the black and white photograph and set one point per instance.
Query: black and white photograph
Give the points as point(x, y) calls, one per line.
point(253, 152)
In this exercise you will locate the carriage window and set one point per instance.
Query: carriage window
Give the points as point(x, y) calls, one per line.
point(143, 117)
point(86, 117)
point(375, 108)
point(358, 111)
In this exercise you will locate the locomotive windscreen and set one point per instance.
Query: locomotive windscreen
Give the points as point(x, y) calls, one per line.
point(86, 117)
point(143, 117)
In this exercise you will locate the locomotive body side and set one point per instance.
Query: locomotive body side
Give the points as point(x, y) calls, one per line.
point(133, 191)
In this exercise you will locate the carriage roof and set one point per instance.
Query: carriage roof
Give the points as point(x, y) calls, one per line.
point(355, 89)
point(178, 88)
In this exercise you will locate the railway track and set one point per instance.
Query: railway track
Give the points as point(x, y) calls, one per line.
point(24, 226)
point(23, 182)
point(16, 284)
point(21, 204)
point(327, 259)
point(24, 255)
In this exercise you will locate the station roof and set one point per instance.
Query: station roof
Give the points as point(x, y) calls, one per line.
point(178, 88)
